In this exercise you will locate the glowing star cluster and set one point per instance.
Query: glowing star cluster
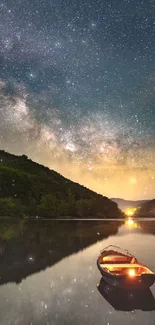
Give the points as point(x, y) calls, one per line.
point(77, 90)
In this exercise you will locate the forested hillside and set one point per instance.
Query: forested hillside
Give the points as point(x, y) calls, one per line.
point(27, 188)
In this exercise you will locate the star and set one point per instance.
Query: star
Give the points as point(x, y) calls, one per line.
point(133, 180)
point(77, 86)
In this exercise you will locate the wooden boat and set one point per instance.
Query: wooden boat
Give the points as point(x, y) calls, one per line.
point(121, 269)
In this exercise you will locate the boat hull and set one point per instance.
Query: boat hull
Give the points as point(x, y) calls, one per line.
point(138, 282)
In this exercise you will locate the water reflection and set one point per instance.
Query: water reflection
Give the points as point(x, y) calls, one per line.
point(137, 226)
point(65, 292)
point(29, 247)
point(131, 223)
point(126, 300)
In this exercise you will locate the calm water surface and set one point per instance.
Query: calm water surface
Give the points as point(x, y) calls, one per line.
point(48, 273)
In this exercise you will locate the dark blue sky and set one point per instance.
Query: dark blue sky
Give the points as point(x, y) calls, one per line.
point(77, 82)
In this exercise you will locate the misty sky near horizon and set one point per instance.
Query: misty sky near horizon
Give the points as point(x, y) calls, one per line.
point(77, 90)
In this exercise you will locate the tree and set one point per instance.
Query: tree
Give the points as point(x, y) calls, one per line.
point(48, 206)
point(83, 208)
point(10, 207)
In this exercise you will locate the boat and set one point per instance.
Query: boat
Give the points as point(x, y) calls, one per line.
point(121, 269)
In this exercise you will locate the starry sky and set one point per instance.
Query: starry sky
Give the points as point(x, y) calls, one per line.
point(77, 90)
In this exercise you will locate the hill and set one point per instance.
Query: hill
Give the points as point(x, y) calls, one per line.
point(127, 204)
point(27, 188)
point(147, 209)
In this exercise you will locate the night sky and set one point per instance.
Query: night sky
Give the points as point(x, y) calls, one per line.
point(77, 90)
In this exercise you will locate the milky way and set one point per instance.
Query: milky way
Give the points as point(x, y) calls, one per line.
point(77, 90)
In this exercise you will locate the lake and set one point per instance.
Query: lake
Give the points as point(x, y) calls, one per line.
point(48, 272)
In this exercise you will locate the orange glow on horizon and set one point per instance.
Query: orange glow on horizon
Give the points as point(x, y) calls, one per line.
point(130, 212)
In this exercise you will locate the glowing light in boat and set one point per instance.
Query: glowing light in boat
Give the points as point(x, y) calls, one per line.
point(131, 272)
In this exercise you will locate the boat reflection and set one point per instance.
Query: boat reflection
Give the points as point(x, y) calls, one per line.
point(125, 300)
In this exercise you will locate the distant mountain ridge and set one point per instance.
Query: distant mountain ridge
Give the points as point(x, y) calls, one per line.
point(127, 204)
point(147, 209)
point(27, 188)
